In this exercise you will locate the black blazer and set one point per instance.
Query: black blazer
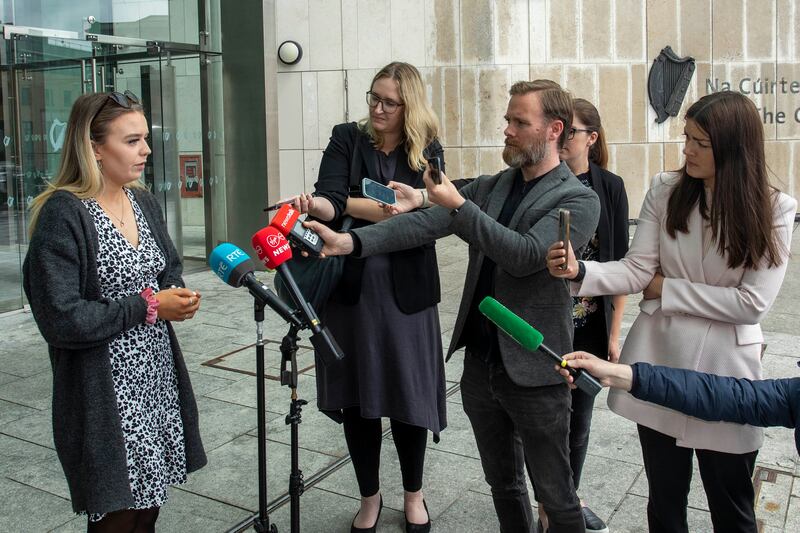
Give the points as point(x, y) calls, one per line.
point(415, 272)
point(612, 228)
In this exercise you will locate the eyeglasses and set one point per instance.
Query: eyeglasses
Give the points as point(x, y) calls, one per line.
point(572, 131)
point(389, 106)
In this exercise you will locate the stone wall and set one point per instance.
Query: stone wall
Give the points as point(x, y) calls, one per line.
point(471, 51)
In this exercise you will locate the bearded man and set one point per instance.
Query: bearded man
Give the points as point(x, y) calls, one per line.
point(518, 407)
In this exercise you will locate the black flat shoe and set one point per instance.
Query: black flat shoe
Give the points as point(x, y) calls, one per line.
point(419, 528)
point(354, 529)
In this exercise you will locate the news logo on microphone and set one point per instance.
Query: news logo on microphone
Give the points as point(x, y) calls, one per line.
point(286, 220)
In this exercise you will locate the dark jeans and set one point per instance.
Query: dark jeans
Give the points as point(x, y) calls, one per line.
point(583, 404)
point(727, 480)
point(511, 422)
point(363, 436)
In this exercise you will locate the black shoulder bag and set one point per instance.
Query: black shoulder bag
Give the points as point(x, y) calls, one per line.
point(317, 278)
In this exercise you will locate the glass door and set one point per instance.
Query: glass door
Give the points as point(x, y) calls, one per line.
point(40, 78)
point(42, 75)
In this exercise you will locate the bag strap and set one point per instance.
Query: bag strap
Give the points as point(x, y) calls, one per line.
point(355, 167)
point(355, 163)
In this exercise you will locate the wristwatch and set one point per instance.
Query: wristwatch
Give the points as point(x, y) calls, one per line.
point(581, 272)
point(454, 211)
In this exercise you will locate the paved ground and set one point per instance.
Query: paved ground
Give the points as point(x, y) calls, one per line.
point(219, 352)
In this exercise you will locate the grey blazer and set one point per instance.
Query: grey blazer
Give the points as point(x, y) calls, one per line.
point(522, 282)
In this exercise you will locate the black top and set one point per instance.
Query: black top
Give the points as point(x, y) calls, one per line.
point(415, 272)
point(480, 333)
point(612, 227)
point(588, 312)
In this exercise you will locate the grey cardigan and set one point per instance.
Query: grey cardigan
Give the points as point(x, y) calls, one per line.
point(63, 288)
point(521, 279)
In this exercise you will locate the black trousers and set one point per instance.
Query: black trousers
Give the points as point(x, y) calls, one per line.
point(363, 436)
point(727, 480)
point(592, 339)
point(515, 425)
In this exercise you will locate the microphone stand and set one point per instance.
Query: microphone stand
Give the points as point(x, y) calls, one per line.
point(261, 522)
point(289, 378)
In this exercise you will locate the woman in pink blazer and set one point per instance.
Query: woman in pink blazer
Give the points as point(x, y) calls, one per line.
point(709, 254)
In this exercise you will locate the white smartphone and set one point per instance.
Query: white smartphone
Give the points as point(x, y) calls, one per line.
point(376, 191)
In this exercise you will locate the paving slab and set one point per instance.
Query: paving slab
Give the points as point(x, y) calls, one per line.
point(10, 411)
point(28, 509)
point(36, 427)
point(225, 492)
point(231, 475)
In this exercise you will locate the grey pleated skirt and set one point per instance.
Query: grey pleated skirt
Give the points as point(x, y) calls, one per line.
point(393, 365)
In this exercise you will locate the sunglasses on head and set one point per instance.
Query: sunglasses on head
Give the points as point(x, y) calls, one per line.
point(126, 99)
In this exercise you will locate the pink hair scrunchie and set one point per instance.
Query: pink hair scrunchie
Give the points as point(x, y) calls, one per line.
point(152, 305)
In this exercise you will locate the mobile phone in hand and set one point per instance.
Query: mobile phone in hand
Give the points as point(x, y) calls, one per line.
point(435, 165)
point(378, 192)
point(563, 232)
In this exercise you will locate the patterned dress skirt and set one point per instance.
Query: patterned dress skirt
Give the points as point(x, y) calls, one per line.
point(142, 365)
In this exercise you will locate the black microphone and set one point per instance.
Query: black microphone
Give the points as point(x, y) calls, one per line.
point(233, 266)
point(274, 250)
point(286, 220)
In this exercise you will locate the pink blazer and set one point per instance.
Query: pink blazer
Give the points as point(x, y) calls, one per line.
point(707, 318)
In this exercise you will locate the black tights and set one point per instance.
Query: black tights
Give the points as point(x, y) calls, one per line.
point(363, 437)
point(126, 521)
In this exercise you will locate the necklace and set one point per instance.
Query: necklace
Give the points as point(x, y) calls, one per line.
point(121, 209)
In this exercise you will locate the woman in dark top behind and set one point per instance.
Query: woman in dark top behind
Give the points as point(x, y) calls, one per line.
point(104, 282)
point(598, 320)
point(383, 313)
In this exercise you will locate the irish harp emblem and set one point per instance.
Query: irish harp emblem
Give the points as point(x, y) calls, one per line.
point(667, 83)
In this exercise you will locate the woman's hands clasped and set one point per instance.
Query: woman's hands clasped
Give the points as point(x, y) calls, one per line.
point(177, 304)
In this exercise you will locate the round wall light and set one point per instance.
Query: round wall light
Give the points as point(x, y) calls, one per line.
point(290, 52)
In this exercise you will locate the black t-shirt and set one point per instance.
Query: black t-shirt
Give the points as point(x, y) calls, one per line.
point(480, 333)
point(588, 312)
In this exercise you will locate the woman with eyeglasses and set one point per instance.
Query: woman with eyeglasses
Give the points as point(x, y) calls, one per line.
point(710, 253)
point(597, 320)
point(104, 284)
point(383, 313)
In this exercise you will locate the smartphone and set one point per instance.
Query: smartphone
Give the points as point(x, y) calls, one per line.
point(280, 203)
point(436, 170)
point(376, 191)
point(563, 230)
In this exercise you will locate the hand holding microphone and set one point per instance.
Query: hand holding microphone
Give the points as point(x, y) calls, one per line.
point(286, 220)
point(614, 375)
point(274, 250)
point(528, 337)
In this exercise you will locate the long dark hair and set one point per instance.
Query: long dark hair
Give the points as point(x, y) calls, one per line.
point(587, 113)
point(742, 201)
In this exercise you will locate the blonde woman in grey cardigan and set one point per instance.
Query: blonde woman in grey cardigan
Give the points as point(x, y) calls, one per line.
point(104, 282)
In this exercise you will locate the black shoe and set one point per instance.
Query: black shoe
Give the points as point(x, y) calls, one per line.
point(354, 529)
point(419, 528)
point(593, 522)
